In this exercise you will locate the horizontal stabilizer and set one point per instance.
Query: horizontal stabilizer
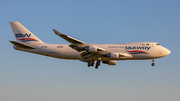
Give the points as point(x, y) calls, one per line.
point(20, 45)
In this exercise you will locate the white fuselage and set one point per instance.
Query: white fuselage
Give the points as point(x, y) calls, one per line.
point(138, 50)
point(90, 53)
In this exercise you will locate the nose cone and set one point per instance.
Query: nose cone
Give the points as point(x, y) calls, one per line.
point(168, 52)
point(165, 51)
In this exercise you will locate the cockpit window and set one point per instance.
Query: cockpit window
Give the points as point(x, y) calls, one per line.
point(157, 44)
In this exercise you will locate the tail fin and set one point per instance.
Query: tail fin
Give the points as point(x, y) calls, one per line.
point(23, 35)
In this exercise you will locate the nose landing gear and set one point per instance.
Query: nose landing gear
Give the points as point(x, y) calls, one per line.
point(153, 62)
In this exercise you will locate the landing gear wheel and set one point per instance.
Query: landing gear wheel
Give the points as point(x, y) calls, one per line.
point(92, 63)
point(96, 67)
point(152, 64)
point(89, 64)
point(98, 63)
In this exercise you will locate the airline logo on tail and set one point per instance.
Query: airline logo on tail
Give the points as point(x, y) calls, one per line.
point(22, 38)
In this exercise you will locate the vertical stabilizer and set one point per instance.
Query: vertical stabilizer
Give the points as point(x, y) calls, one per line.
point(23, 35)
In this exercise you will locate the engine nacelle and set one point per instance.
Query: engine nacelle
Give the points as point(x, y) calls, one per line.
point(112, 55)
point(110, 62)
point(91, 48)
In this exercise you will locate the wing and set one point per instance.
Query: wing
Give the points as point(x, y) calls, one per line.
point(68, 38)
point(76, 44)
point(89, 51)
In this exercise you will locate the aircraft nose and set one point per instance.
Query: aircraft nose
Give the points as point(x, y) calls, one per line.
point(168, 51)
point(165, 52)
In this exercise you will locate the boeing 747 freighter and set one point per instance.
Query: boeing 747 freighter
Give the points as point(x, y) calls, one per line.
point(90, 53)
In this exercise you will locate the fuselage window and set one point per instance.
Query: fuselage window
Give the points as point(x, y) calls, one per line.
point(59, 46)
point(147, 44)
point(43, 46)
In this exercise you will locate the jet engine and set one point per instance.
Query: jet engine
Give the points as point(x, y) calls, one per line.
point(110, 62)
point(112, 55)
point(91, 48)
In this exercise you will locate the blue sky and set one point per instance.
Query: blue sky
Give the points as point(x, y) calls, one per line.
point(30, 77)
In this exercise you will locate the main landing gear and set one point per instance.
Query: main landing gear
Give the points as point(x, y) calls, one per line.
point(153, 62)
point(98, 63)
point(92, 62)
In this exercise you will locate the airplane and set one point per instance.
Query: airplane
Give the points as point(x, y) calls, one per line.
point(89, 53)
